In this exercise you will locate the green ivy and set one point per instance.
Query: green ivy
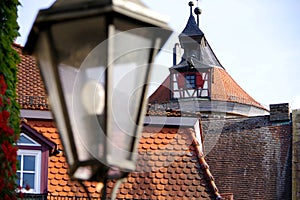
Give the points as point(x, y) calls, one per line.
point(9, 108)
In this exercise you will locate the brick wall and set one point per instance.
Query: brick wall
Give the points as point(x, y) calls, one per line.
point(296, 154)
point(227, 196)
point(250, 157)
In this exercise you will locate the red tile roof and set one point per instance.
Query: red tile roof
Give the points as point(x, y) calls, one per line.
point(224, 88)
point(162, 93)
point(170, 166)
point(30, 87)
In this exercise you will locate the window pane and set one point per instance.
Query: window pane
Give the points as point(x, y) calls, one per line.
point(29, 163)
point(190, 81)
point(28, 179)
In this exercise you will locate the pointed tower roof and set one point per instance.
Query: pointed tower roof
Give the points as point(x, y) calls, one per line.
point(224, 95)
point(191, 29)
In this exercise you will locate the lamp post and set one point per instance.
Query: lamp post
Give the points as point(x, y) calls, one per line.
point(95, 58)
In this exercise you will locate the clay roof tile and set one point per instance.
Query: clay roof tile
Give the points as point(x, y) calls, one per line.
point(30, 87)
point(164, 166)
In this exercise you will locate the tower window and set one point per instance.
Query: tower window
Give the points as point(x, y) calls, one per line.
point(190, 81)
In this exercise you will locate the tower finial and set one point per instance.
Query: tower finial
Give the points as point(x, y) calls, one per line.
point(191, 4)
point(198, 12)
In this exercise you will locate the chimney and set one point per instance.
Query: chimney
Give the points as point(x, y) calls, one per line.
point(279, 112)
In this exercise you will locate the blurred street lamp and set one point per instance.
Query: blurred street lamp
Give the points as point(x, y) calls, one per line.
point(95, 58)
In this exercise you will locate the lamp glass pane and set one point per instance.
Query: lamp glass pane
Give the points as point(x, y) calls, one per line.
point(82, 74)
point(129, 69)
point(75, 39)
point(48, 70)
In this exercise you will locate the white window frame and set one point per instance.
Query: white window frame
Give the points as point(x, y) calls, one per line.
point(37, 181)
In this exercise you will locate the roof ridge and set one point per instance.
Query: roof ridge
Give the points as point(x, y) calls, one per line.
point(204, 166)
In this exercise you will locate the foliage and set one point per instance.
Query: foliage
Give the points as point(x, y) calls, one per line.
point(9, 109)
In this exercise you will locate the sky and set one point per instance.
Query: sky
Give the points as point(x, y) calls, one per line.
point(256, 41)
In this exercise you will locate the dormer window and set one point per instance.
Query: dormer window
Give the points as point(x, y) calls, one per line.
point(33, 153)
